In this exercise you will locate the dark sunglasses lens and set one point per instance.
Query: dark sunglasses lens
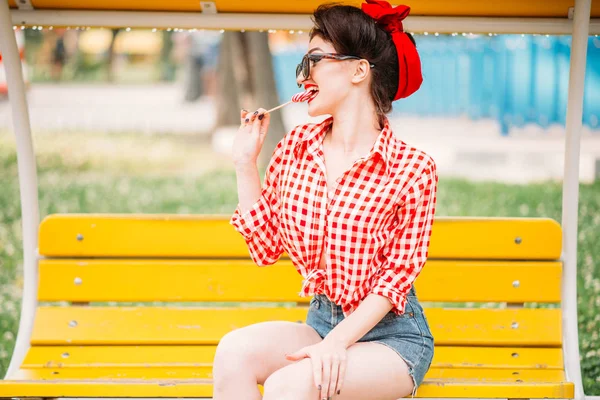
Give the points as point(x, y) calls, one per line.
point(305, 67)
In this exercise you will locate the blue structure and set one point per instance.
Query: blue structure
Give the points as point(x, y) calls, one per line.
point(515, 79)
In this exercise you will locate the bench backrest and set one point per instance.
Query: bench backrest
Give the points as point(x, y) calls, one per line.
point(96, 266)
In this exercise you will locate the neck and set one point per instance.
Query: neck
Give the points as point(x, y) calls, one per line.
point(355, 126)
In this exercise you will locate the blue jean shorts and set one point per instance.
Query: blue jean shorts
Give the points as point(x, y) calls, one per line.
point(407, 334)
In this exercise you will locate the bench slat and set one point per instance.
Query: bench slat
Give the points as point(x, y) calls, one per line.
point(167, 382)
point(176, 325)
point(83, 280)
point(172, 235)
point(203, 356)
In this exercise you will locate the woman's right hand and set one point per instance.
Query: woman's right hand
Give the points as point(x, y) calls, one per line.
point(250, 136)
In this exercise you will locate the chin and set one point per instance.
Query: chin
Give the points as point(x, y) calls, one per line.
point(315, 111)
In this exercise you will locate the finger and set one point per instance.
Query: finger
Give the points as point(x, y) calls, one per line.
point(317, 373)
point(326, 377)
point(256, 125)
point(266, 120)
point(335, 371)
point(243, 114)
point(254, 115)
point(299, 355)
point(248, 119)
point(341, 376)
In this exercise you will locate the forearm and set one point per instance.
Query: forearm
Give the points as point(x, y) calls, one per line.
point(248, 185)
point(370, 311)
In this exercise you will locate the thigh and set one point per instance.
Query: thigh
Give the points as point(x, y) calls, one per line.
point(374, 372)
point(263, 346)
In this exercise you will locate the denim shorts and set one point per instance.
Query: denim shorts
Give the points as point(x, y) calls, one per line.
point(407, 334)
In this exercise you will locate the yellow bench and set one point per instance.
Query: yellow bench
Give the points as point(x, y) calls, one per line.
point(86, 343)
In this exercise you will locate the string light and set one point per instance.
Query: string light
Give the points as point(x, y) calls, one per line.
point(426, 33)
point(154, 30)
point(128, 29)
point(222, 31)
point(291, 32)
point(437, 34)
point(14, 28)
point(51, 28)
point(301, 32)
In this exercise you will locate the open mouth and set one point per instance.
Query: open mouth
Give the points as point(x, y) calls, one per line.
point(314, 91)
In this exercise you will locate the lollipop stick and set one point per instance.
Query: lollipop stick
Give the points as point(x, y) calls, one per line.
point(273, 109)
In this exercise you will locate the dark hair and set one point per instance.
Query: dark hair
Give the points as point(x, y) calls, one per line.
point(354, 33)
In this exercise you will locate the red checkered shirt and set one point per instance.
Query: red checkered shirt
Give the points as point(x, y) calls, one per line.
point(375, 223)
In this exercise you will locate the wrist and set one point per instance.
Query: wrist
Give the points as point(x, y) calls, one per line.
point(337, 340)
point(243, 166)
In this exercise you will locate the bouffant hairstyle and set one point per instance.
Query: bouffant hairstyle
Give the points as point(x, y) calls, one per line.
point(354, 33)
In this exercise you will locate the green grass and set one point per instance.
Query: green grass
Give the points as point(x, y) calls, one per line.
point(73, 179)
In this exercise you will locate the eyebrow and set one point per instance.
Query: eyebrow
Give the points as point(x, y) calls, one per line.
point(314, 49)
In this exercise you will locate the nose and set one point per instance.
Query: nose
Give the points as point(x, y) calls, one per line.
point(300, 79)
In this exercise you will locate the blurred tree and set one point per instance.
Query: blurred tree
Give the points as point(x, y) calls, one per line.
point(110, 55)
point(246, 79)
point(167, 68)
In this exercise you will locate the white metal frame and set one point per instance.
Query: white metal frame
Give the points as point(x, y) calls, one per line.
point(570, 209)
point(258, 21)
point(26, 165)
point(580, 27)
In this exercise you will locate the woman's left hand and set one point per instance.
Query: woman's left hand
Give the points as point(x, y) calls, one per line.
point(328, 360)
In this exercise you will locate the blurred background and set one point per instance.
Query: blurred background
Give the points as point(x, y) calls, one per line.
point(141, 121)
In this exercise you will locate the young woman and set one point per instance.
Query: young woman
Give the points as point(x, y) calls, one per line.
point(353, 206)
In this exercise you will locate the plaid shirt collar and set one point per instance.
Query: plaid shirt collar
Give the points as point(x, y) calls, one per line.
point(384, 145)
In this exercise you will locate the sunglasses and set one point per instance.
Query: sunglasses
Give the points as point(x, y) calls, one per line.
point(304, 66)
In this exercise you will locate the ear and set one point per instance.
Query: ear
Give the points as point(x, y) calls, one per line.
point(361, 71)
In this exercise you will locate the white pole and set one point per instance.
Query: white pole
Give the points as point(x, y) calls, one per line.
point(27, 182)
point(258, 21)
point(570, 203)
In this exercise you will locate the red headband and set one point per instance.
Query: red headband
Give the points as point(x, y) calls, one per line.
point(409, 64)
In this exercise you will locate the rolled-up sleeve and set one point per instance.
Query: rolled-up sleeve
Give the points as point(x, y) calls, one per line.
point(260, 224)
point(407, 251)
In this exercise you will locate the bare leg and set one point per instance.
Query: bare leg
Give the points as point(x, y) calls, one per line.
point(373, 372)
point(248, 356)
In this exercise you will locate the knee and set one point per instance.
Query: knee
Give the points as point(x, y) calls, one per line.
point(233, 354)
point(294, 382)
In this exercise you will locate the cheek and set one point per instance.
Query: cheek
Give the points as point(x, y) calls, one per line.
point(328, 75)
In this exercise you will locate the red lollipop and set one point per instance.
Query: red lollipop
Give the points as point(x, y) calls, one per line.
point(304, 96)
point(298, 98)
